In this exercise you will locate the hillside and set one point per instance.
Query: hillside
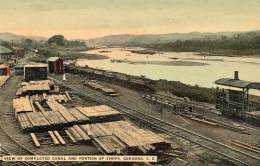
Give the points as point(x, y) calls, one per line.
point(6, 36)
point(221, 43)
point(115, 40)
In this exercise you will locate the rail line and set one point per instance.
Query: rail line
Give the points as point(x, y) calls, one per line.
point(12, 147)
point(238, 156)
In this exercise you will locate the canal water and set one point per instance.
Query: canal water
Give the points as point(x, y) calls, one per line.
point(187, 67)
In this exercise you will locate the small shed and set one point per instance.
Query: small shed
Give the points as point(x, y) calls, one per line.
point(34, 72)
point(234, 99)
point(4, 70)
point(55, 65)
point(5, 53)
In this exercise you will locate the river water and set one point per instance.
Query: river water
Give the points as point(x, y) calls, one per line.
point(187, 67)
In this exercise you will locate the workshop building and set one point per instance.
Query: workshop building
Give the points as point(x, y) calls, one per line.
point(4, 70)
point(5, 54)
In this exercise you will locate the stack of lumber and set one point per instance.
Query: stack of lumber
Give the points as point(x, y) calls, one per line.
point(121, 136)
point(77, 134)
point(3, 80)
point(110, 144)
point(37, 97)
point(54, 117)
point(24, 122)
point(22, 104)
point(37, 119)
point(55, 106)
point(35, 86)
point(58, 97)
point(78, 115)
point(100, 113)
point(56, 138)
point(52, 97)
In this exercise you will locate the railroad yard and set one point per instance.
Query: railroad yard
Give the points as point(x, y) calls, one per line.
point(84, 112)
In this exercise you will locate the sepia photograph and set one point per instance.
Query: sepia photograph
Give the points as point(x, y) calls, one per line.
point(130, 83)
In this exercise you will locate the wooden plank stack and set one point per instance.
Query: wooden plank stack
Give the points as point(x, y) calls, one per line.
point(24, 122)
point(58, 97)
point(110, 144)
point(55, 106)
point(21, 105)
point(76, 133)
point(78, 115)
point(34, 86)
point(54, 118)
point(118, 137)
point(100, 113)
point(37, 119)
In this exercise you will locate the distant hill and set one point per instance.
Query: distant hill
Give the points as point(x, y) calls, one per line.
point(10, 36)
point(144, 40)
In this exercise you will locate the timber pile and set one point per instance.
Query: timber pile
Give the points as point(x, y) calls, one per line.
point(24, 122)
point(101, 113)
point(3, 80)
point(34, 86)
point(54, 117)
point(37, 119)
point(58, 116)
point(50, 97)
point(78, 115)
point(55, 106)
point(21, 105)
point(78, 134)
point(118, 137)
point(110, 144)
point(58, 97)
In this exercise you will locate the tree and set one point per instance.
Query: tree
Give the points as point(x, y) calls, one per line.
point(28, 42)
point(57, 39)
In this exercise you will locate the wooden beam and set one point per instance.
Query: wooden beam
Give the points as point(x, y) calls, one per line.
point(68, 96)
point(39, 106)
point(70, 136)
point(35, 140)
point(53, 137)
point(59, 137)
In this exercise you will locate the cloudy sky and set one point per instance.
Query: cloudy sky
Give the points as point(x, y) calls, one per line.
point(94, 18)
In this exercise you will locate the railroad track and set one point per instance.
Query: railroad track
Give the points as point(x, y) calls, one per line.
point(9, 146)
point(240, 157)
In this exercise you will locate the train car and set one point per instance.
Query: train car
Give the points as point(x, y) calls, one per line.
point(19, 69)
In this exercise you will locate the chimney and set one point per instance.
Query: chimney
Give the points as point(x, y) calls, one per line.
point(236, 75)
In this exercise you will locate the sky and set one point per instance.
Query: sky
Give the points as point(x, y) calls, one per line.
point(85, 19)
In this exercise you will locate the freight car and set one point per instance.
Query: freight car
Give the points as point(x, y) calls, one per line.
point(134, 82)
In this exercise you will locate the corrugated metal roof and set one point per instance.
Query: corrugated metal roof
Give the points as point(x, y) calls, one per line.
point(52, 59)
point(238, 83)
point(233, 82)
point(4, 50)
